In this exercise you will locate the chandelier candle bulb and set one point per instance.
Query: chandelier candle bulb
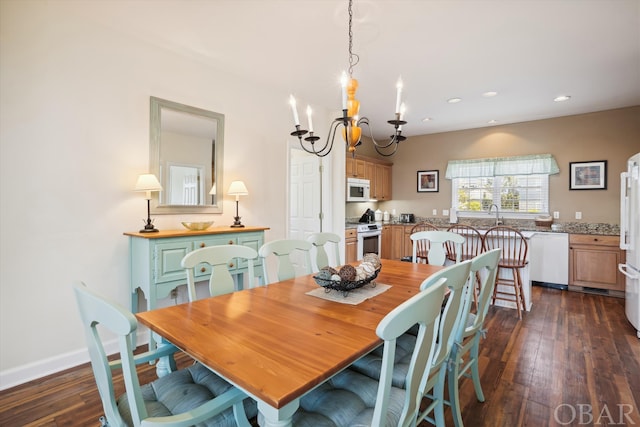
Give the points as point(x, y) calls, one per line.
point(399, 95)
point(292, 101)
point(343, 82)
point(309, 118)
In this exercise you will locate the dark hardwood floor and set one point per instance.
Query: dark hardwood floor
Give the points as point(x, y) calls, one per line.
point(573, 360)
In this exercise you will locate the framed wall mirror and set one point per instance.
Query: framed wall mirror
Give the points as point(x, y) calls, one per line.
point(186, 154)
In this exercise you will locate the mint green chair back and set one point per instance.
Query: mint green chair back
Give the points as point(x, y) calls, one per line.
point(433, 242)
point(220, 259)
point(422, 309)
point(285, 250)
point(322, 240)
point(471, 330)
point(434, 379)
point(457, 276)
point(351, 399)
point(145, 406)
point(422, 248)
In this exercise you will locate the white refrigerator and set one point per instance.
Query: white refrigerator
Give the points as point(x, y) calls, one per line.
point(630, 238)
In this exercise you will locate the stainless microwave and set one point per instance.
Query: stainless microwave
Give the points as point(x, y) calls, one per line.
point(358, 190)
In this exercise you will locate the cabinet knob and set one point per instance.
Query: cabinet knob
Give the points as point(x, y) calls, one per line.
point(231, 265)
point(231, 242)
point(595, 239)
point(203, 269)
point(202, 245)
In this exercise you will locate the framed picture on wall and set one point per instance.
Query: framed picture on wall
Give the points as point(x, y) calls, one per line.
point(428, 181)
point(588, 175)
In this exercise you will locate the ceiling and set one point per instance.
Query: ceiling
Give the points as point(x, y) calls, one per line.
point(528, 51)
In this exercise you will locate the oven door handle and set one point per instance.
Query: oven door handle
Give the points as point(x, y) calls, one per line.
point(370, 234)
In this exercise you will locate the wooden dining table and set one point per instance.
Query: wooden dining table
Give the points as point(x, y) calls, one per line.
point(277, 343)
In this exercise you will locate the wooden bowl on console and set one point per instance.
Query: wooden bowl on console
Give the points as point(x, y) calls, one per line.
point(197, 226)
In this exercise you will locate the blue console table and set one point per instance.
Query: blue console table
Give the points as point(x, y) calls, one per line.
point(155, 259)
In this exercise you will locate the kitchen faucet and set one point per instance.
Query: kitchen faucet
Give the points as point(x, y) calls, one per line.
point(498, 221)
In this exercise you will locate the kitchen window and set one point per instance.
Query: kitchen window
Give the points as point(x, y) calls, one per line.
point(519, 186)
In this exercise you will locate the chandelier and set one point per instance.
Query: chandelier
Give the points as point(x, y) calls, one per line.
point(352, 125)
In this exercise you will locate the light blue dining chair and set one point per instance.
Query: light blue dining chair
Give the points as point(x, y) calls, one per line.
point(220, 259)
point(433, 244)
point(434, 380)
point(186, 397)
point(285, 251)
point(467, 340)
point(352, 399)
point(321, 241)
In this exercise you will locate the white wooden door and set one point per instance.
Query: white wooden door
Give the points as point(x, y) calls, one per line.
point(304, 197)
point(304, 194)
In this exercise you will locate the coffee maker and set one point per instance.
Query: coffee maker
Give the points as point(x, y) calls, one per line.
point(368, 216)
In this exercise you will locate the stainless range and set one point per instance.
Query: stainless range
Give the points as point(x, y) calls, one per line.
point(369, 239)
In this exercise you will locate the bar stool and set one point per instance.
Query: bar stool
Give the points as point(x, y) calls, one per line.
point(422, 248)
point(513, 257)
point(471, 248)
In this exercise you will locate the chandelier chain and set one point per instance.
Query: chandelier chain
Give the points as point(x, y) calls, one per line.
point(353, 57)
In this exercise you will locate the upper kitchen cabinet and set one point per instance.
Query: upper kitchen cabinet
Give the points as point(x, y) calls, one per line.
point(381, 184)
point(377, 171)
point(355, 167)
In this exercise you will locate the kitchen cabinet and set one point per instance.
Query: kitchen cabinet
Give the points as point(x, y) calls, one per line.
point(370, 174)
point(377, 171)
point(381, 182)
point(407, 243)
point(355, 167)
point(593, 263)
point(385, 250)
point(350, 245)
point(395, 241)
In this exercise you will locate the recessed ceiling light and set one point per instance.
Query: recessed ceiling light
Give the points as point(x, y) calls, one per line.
point(492, 121)
point(489, 94)
point(454, 100)
point(427, 119)
point(562, 98)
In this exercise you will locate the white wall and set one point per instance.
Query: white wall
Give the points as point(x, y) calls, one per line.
point(74, 134)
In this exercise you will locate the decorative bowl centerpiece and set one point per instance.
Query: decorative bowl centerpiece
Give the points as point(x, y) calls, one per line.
point(197, 226)
point(348, 277)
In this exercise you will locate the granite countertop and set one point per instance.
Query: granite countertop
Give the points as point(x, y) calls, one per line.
point(605, 229)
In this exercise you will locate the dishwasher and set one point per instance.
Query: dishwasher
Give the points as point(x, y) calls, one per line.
point(549, 260)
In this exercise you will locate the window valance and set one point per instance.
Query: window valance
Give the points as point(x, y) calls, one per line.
point(498, 166)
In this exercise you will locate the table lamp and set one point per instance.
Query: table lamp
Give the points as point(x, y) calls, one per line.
point(148, 182)
point(237, 188)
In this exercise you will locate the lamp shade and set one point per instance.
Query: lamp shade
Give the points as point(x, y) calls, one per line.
point(237, 188)
point(148, 182)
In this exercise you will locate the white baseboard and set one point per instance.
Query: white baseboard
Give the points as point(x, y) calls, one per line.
point(32, 371)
